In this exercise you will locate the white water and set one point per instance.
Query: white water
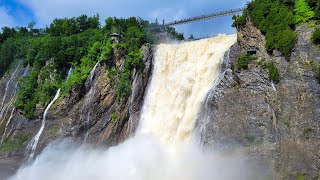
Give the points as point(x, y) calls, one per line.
point(162, 148)
point(2, 107)
point(183, 75)
point(273, 86)
point(6, 109)
point(87, 101)
point(69, 72)
point(32, 146)
point(25, 72)
point(7, 124)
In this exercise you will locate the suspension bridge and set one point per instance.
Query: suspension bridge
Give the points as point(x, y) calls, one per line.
point(204, 17)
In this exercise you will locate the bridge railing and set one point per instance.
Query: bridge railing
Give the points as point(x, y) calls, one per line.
point(204, 17)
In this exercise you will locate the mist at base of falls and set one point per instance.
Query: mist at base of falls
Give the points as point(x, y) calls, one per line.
point(139, 158)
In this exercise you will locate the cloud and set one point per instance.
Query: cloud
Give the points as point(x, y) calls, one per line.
point(5, 18)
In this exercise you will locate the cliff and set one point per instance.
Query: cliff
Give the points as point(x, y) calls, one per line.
point(90, 114)
point(277, 124)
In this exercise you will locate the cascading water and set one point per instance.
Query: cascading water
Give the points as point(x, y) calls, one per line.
point(162, 148)
point(26, 70)
point(87, 102)
point(182, 77)
point(32, 146)
point(7, 125)
point(4, 108)
point(25, 73)
point(69, 72)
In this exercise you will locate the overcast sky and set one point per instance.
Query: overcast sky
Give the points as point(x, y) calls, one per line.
point(21, 12)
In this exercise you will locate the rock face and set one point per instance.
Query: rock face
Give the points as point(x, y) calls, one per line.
point(251, 39)
point(278, 124)
point(298, 111)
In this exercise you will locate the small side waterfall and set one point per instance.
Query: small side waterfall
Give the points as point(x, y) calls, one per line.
point(273, 86)
point(32, 146)
point(4, 108)
point(7, 125)
point(25, 73)
point(69, 72)
point(86, 115)
point(26, 70)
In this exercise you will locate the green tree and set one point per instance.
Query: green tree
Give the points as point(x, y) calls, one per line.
point(303, 12)
point(191, 36)
point(273, 73)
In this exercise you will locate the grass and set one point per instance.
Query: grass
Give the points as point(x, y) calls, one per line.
point(53, 130)
point(114, 117)
point(14, 145)
point(300, 177)
point(286, 123)
point(311, 25)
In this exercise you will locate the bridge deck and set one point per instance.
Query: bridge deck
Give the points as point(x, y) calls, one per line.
point(205, 17)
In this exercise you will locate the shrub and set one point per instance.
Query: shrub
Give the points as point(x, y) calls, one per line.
point(114, 117)
point(286, 42)
point(273, 72)
point(14, 145)
point(244, 61)
point(302, 12)
point(315, 37)
point(238, 21)
point(124, 85)
point(311, 25)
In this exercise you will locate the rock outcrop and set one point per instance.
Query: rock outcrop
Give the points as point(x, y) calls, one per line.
point(251, 39)
point(276, 124)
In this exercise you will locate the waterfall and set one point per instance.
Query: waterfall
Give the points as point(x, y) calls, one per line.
point(25, 72)
point(162, 149)
point(2, 108)
point(183, 75)
point(69, 73)
point(273, 86)
point(32, 146)
point(87, 102)
point(7, 124)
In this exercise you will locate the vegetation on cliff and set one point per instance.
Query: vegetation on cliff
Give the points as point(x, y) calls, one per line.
point(277, 20)
point(316, 36)
point(72, 42)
